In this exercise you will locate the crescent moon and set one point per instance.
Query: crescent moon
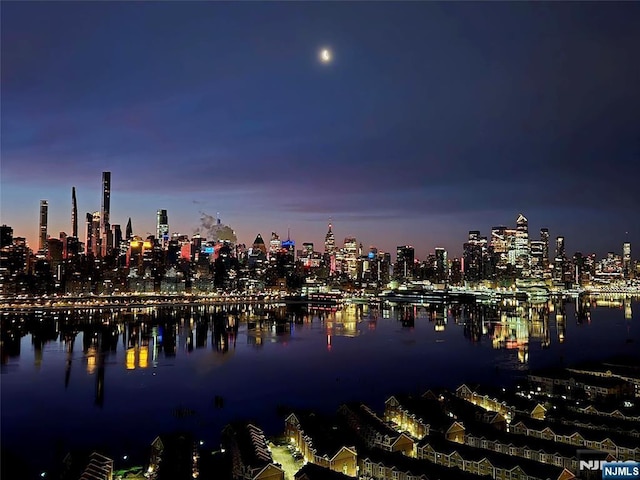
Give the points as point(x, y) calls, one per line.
point(325, 55)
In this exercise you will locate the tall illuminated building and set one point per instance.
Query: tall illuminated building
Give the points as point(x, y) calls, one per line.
point(44, 212)
point(330, 251)
point(559, 261)
point(290, 246)
point(442, 268)
point(510, 241)
point(275, 244)
point(544, 238)
point(503, 242)
point(537, 256)
point(95, 227)
point(105, 209)
point(116, 231)
point(405, 258)
point(74, 213)
point(129, 230)
point(498, 239)
point(474, 235)
point(499, 244)
point(162, 227)
point(258, 244)
point(522, 251)
point(330, 242)
point(626, 259)
point(90, 234)
point(474, 253)
point(307, 249)
point(351, 256)
point(560, 252)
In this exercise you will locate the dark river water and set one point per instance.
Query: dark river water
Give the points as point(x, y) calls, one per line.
point(114, 379)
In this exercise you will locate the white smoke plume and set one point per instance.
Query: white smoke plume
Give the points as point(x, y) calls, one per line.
point(212, 229)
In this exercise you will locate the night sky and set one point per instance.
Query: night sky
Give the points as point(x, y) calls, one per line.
point(431, 120)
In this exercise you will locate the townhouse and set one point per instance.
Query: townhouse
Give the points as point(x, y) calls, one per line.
point(567, 416)
point(499, 466)
point(503, 401)
point(373, 431)
point(623, 369)
point(420, 415)
point(322, 442)
point(174, 456)
point(465, 411)
point(311, 471)
point(630, 413)
point(379, 465)
point(250, 455)
point(559, 381)
point(487, 400)
point(98, 467)
point(536, 449)
point(623, 447)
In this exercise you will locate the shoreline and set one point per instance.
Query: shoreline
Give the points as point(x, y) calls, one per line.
point(146, 300)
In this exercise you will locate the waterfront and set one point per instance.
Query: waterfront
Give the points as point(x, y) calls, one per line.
point(118, 378)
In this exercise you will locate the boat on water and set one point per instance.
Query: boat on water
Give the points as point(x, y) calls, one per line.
point(329, 298)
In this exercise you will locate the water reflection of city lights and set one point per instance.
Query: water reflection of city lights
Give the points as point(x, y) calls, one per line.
point(143, 359)
point(91, 360)
point(130, 361)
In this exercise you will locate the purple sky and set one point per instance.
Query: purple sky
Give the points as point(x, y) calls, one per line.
point(432, 120)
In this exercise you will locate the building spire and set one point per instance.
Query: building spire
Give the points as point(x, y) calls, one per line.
point(129, 230)
point(74, 213)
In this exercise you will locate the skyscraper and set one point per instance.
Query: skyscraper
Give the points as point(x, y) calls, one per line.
point(275, 244)
point(6, 236)
point(162, 228)
point(290, 245)
point(442, 270)
point(74, 213)
point(44, 211)
point(559, 261)
point(105, 208)
point(90, 240)
point(560, 253)
point(522, 250)
point(129, 230)
point(405, 255)
point(503, 244)
point(537, 257)
point(117, 236)
point(473, 256)
point(330, 242)
point(544, 238)
point(351, 256)
point(97, 239)
point(258, 244)
point(626, 259)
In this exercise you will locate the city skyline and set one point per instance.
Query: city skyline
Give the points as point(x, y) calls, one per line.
point(430, 120)
point(45, 231)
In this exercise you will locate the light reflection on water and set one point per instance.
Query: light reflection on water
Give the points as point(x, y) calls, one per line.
point(117, 378)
